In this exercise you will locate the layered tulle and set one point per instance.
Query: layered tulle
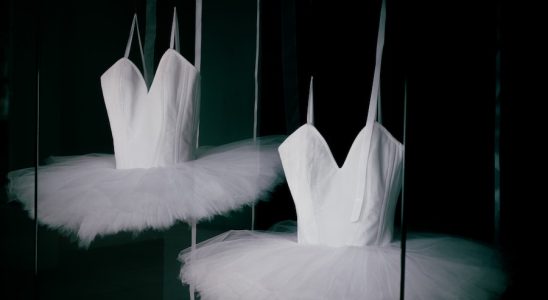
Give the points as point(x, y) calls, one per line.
point(262, 265)
point(86, 195)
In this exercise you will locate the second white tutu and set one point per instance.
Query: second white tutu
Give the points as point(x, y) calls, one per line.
point(262, 265)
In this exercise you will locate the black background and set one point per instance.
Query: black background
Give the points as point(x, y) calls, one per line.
point(445, 50)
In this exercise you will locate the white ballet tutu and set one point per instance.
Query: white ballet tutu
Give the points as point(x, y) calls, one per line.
point(262, 265)
point(88, 196)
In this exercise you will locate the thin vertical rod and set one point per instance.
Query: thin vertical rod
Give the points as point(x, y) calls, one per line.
point(36, 163)
point(256, 74)
point(198, 36)
point(497, 171)
point(402, 215)
point(192, 249)
point(198, 61)
point(37, 146)
point(256, 103)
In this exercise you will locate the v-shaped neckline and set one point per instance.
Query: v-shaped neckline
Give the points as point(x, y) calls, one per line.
point(324, 142)
point(142, 78)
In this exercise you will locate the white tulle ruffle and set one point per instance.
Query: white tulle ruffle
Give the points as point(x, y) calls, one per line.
point(263, 265)
point(88, 196)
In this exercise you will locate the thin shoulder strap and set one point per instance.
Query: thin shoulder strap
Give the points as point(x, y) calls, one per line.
point(310, 109)
point(175, 32)
point(364, 156)
point(135, 24)
point(375, 90)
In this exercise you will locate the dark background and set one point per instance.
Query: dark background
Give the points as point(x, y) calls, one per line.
point(444, 49)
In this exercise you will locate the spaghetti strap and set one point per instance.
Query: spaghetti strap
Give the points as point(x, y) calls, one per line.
point(135, 24)
point(310, 109)
point(364, 157)
point(175, 32)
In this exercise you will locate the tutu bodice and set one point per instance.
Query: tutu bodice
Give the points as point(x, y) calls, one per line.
point(352, 205)
point(329, 210)
point(153, 127)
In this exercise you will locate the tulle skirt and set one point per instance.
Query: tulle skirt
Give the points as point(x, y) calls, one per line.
point(263, 265)
point(87, 196)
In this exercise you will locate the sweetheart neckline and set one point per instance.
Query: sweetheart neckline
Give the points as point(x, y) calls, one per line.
point(141, 77)
point(324, 142)
point(326, 145)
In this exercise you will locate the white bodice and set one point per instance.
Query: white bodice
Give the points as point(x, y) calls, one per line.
point(328, 209)
point(158, 126)
point(352, 205)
